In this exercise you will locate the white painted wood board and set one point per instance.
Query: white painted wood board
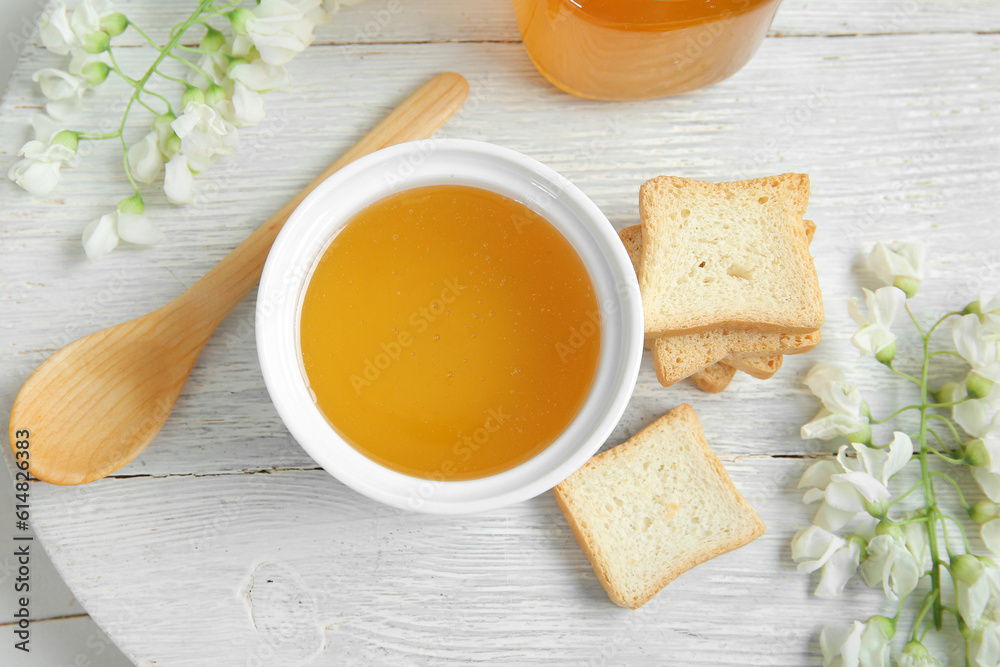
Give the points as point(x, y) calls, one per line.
point(899, 133)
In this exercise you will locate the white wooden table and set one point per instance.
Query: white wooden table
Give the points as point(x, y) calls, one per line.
point(224, 544)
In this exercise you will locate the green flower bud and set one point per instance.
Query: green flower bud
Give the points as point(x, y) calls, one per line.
point(214, 94)
point(163, 121)
point(887, 624)
point(889, 528)
point(908, 285)
point(114, 24)
point(917, 650)
point(862, 436)
point(213, 41)
point(233, 62)
point(95, 73)
point(887, 354)
point(976, 453)
point(876, 510)
point(173, 145)
point(67, 138)
point(238, 19)
point(946, 393)
point(978, 386)
point(862, 544)
point(96, 42)
point(984, 511)
point(192, 94)
point(966, 568)
point(133, 204)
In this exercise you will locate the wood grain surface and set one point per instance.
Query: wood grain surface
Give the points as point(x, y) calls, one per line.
point(223, 544)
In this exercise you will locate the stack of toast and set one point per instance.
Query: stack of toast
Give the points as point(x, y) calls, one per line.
point(727, 280)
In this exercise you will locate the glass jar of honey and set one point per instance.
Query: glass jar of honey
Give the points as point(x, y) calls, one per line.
point(639, 49)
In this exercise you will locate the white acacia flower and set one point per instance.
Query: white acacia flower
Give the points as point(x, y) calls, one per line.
point(46, 127)
point(841, 645)
point(977, 583)
point(875, 338)
point(890, 563)
point(862, 487)
point(138, 229)
point(990, 532)
point(63, 90)
point(984, 646)
point(977, 417)
point(87, 15)
point(246, 108)
point(57, 84)
point(144, 158)
point(899, 265)
point(978, 346)
point(916, 654)
point(280, 29)
point(989, 482)
point(261, 77)
point(55, 31)
point(843, 410)
point(38, 172)
point(857, 645)
point(204, 135)
point(915, 536)
point(816, 547)
point(178, 181)
point(100, 236)
point(213, 64)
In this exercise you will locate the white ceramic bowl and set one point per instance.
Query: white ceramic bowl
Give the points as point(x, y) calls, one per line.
point(431, 162)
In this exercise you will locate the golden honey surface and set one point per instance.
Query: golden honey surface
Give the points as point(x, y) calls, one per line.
point(449, 332)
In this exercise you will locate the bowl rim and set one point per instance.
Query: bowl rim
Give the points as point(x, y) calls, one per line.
point(318, 218)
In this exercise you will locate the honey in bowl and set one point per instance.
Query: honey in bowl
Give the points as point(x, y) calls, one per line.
point(449, 332)
point(636, 49)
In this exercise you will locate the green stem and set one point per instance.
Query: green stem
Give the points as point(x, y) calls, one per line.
point(961, 529)
point(905, 375)
point(954, 431)
point(98, 137)
point(141, 83)
point(146, 37)
point(931, 596)
point(930, 500)
point(897, 412)
point(172, 78)
point(912, 489)
point(208, 77)
point(943, 457)
point(941, 321)
point(914, 319)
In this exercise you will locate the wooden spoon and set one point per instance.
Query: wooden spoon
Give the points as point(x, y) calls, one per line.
point(94, 405)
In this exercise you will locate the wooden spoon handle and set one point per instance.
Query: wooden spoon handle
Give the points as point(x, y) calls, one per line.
point(418, 117)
